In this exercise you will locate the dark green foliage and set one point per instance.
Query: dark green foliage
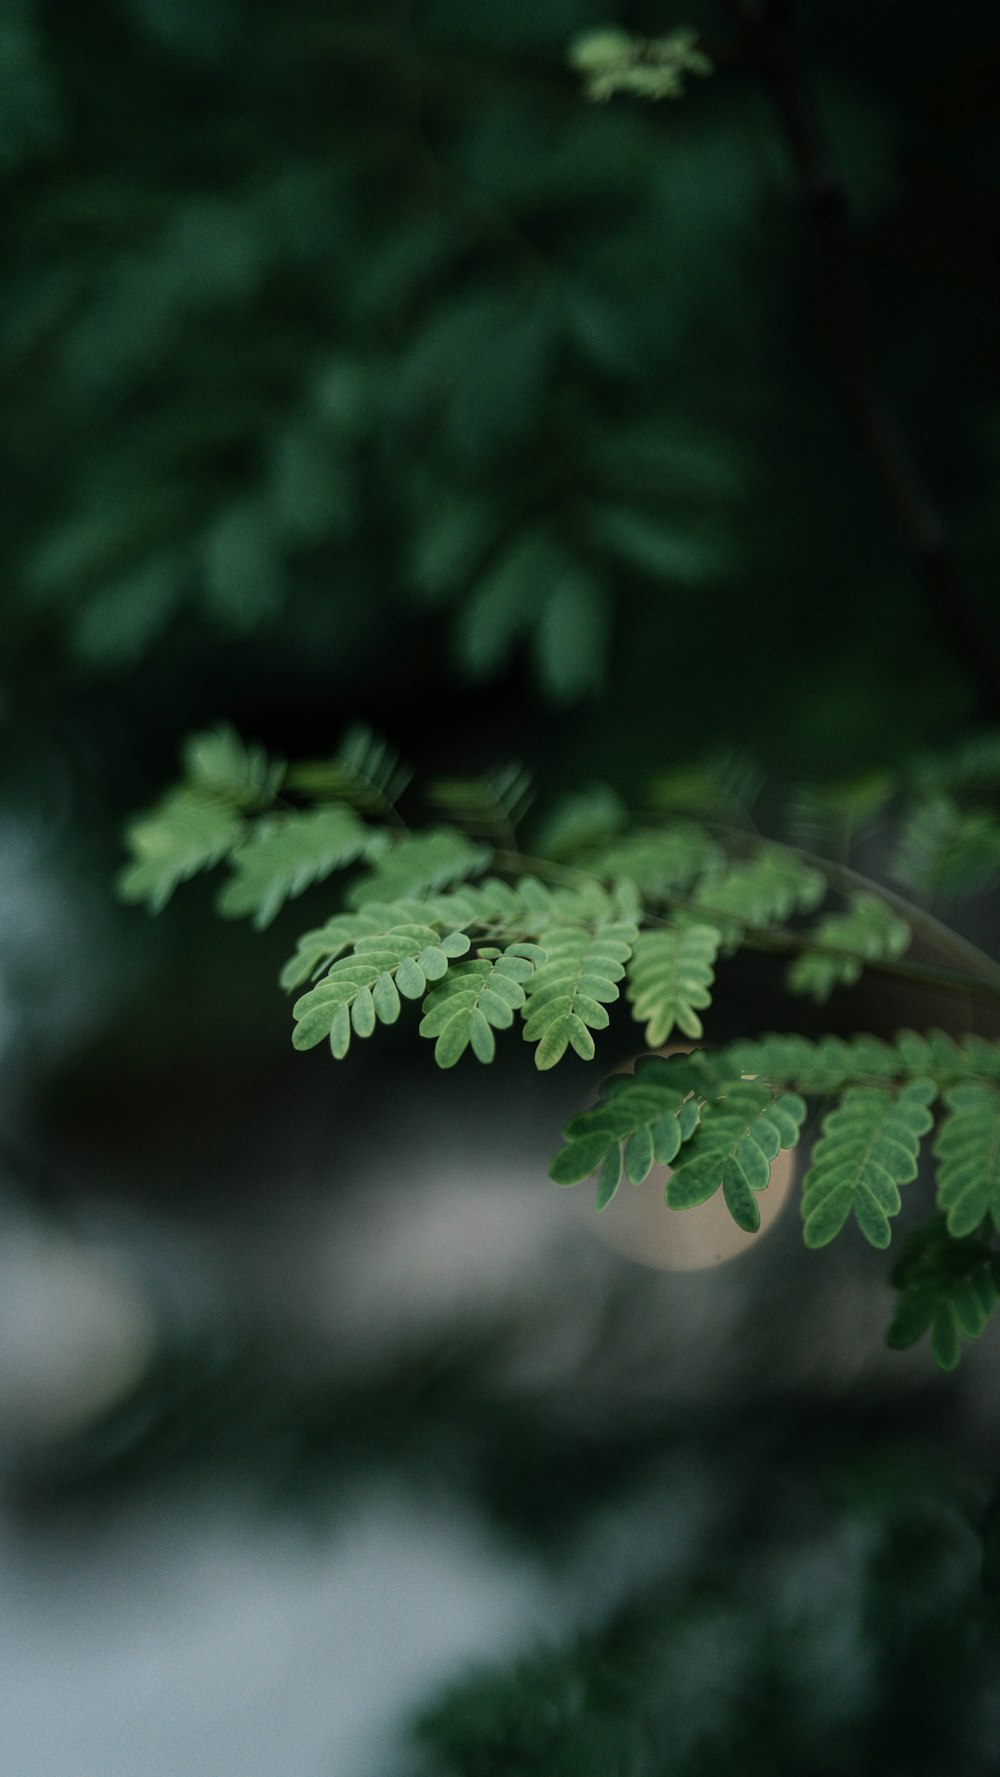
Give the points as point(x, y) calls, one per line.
point(870, 930)
point(740, 1131)
point(950, 1285)
point(949, 841)
point(287, 853)
point(648, 68)
point(968, 1154)
point(837, 1624)
point(340, 347)
point(365, 773)
point(641, 1118)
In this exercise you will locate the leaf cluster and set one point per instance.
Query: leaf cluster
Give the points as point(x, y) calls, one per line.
point(485, 939)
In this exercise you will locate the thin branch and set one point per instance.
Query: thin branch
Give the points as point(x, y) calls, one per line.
point(774, 940)
point(846, 880)
point(771, 45)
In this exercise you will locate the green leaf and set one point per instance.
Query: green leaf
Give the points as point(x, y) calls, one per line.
point(421, 864)
point(219, 763)
point(611, 61)
point(318, 948)
point(504, 603)
point(685, 553)
point(243, 566)
point(186, 832)
point(949, 1286)
point(365, 773)
point(659, 862)
point(869, 1147)
point(285, 854)
point(869, 932)
point(580, 820)
point(367, 983)
point(571, 635)
point(766, 890)
point(740, 1133)
point(476, 998)
point(948, 850)
point(670, 975)
point(831, 1062)
point(639, 1155)
point(609, 1180)
point(576, 1160)
point(568, 992)
point(967, 1149)
point(650, 1110)
point(487, 807)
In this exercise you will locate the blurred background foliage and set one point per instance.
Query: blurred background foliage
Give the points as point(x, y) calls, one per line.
point(354, 364)
point(356, 368)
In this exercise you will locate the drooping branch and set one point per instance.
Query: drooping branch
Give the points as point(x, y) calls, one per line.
point(771, 46)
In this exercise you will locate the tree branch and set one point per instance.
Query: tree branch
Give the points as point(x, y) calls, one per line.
point(771, 45)
point(775, 940)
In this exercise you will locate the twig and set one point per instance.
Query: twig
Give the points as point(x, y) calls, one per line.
point(773, 940)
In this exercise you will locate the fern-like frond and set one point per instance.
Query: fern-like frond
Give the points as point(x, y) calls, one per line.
point(186, 832)
point(947, 850)
point(868, 932)
point(967, 1149)
point(765, 890)
point(869, 1147)
point(421, 864)
point(317, 949)
point(581, 821)
point(488, 807)
point(950, 1286)
point(642, 1118)
point(567, 996)
point(830, 817)
point(723, 788)
point(218, 763)
point(475, 999)
point(286, 853)
point(196, 824)
point(365, 773)
point(492, 910)
point(739, 1134)
point(834, 1062)
point(670, 979)
point(364, 987)
point(659, 861)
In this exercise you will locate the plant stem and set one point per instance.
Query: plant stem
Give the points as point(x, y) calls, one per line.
point(848, 881)
point(778, 941)
point(771, 45)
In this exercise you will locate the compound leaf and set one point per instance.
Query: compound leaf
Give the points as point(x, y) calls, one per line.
point(950, 1286)
point(670, 975)
point(967, 1149)
point(286, 853)
point(740, 1132)
point(476, 998)
point(567, 995)
point(186, 832)
point(868, 1148)
point(363, 987)
point(869, 932)
point(420, 864)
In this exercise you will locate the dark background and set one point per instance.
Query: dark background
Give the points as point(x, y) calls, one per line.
point(355, 367)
